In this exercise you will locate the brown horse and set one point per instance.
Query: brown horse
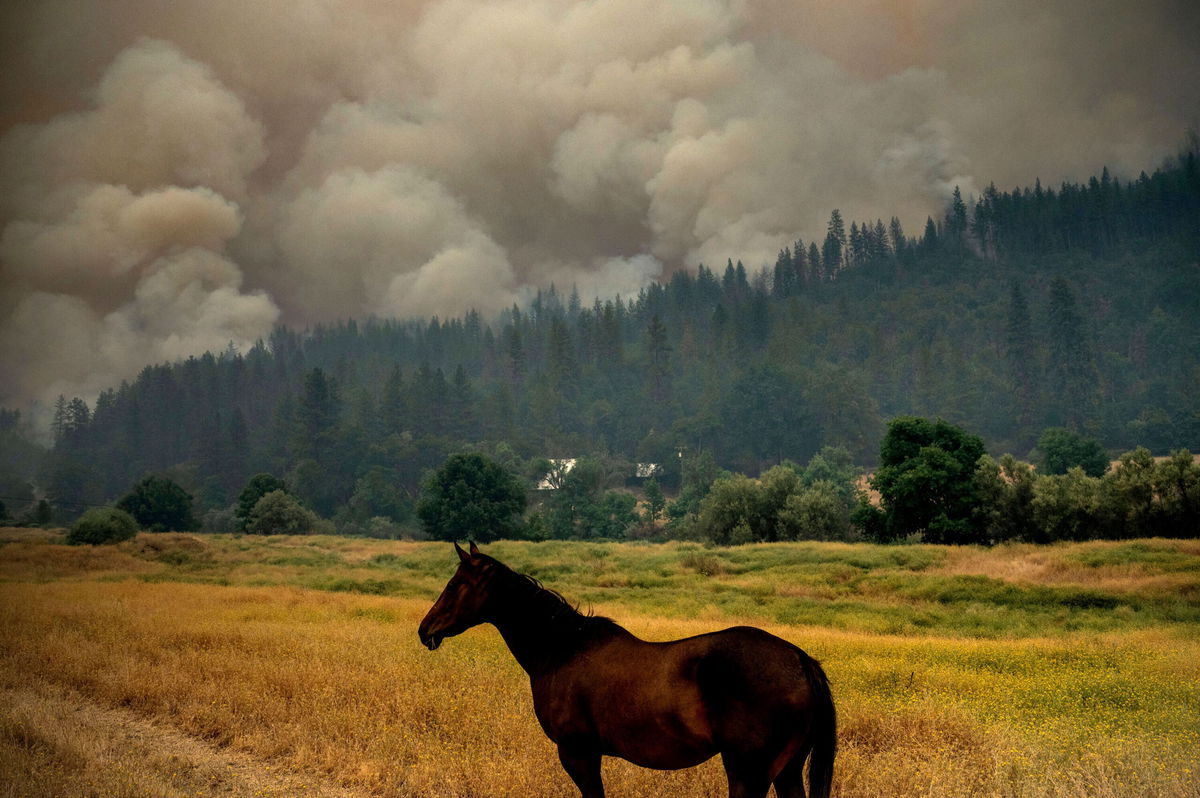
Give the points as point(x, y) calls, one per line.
point(755, 699)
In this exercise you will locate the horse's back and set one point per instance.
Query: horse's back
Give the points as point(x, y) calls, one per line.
point(758, 688)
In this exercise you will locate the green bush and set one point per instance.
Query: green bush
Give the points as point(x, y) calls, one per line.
point(102, 525)
point(278, 513)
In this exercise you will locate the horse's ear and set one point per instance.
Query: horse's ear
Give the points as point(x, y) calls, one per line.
point(462, 555)
point(474, 548)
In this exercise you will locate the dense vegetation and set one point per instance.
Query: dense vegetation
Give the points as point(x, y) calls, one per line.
point(1018, 311)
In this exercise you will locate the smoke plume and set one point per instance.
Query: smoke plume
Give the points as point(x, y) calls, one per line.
point(177, 176)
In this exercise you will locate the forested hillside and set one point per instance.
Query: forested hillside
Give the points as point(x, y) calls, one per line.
point(1018, 310)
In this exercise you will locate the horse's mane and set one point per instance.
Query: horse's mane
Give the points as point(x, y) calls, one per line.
point(559, 612)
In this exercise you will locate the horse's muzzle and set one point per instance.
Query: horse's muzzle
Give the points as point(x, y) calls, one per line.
point(429, 640)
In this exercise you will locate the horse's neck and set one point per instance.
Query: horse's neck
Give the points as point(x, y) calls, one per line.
point(527, 621)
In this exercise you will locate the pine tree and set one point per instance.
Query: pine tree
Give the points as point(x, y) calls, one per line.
point(1072, 373)
point(835, 244)
point(929, 241)
point(783, 283)
point(956, 220)
point(393, 408)
point(1020, 353)
point(815, 267)
point(896, 234)
point(516, 356)
point(58, 426)
point(316, 416)
point(658, 360)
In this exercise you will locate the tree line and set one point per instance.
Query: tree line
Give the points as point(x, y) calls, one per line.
point(935, 484)
point(1016, 311)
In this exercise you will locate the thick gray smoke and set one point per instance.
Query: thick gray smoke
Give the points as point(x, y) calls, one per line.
point(176, 176)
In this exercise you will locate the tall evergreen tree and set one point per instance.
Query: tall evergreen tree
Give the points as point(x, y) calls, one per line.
point(1072, 374)
point(1020, 355)
point(835, 244)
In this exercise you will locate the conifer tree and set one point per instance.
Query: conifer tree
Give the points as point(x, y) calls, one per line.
point(1020, 353)
point(1072, 372)
point(835, 244)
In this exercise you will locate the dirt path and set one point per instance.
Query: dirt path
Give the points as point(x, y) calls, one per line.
point(96, 750)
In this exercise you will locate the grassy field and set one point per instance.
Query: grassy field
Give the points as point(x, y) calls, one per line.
point(183, 665)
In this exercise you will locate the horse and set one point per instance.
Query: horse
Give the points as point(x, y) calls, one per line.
point(755, 699)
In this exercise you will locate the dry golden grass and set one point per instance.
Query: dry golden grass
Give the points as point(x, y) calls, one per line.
point(311, 692)
point(1067, 564)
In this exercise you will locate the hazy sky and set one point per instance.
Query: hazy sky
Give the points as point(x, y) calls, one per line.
point(179, 174)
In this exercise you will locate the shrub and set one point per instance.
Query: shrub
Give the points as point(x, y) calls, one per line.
point(278, 513)
point(102, 525)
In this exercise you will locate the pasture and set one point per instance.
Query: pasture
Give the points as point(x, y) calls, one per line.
point(189, 665)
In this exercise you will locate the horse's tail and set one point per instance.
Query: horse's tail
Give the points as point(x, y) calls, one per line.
point(824, 732)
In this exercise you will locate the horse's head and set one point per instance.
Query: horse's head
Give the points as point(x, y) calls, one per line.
point(462, 601)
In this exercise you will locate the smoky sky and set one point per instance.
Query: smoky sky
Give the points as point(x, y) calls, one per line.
point(176, 175)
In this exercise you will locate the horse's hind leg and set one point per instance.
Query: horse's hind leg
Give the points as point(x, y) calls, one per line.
point(790, 781)
point(747, 777)
point(584, 769)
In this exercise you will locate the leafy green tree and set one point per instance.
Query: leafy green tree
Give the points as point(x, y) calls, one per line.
point(656, 502)
point(278, 513)
point(834, 465)
point(377, 494)
point(1071, 506)
point(471, 497)
point(817, 511)
point(102, 525)
point(1130, 487)
point(611, 516)
point(699, 471)
point(733, 512)
point(1177, 486)
point(159, 504)
point(926, 479)
point(583, 507)
point(1006, 489)
point(1062, 449)
point(258, 486)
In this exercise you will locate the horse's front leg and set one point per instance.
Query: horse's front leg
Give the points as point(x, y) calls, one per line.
point(583, 766)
